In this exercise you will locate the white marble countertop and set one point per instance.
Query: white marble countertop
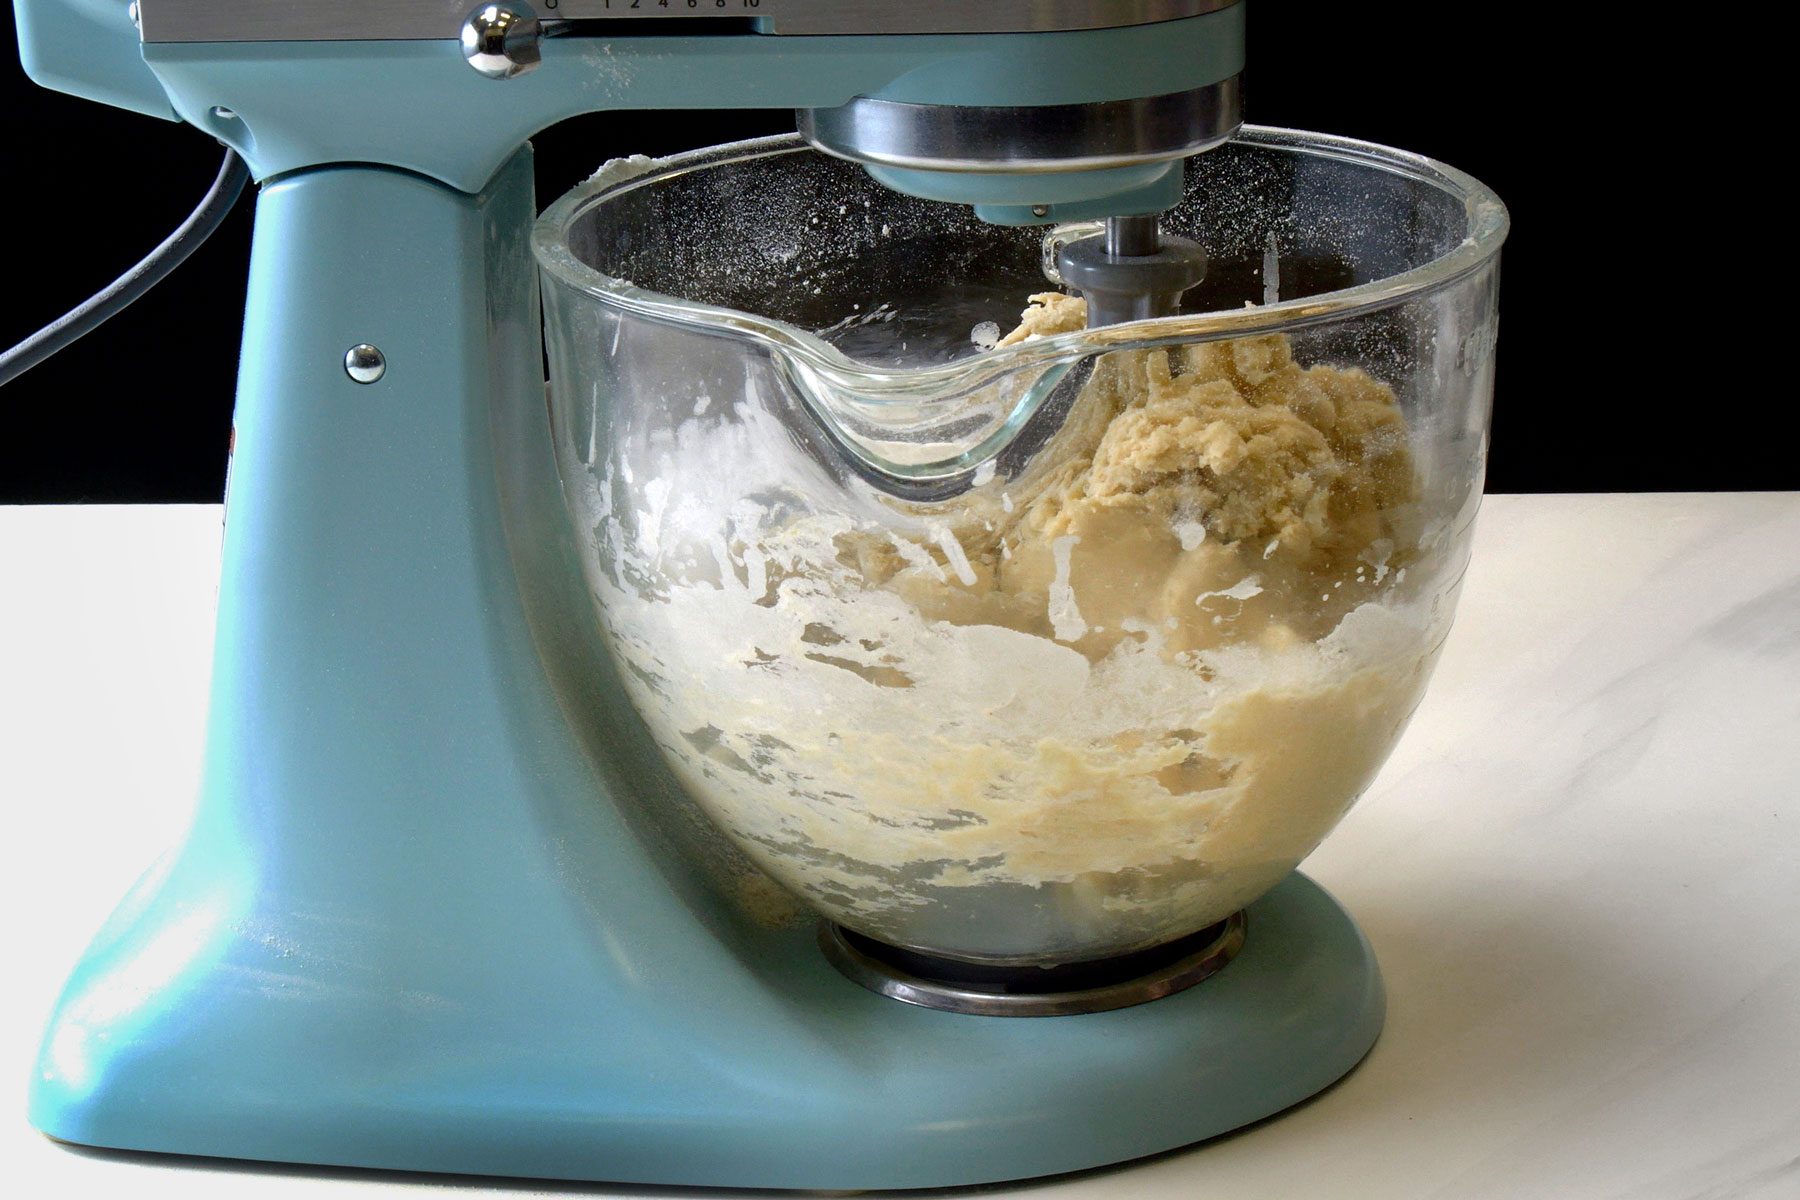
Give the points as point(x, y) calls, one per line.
point(1581, 869)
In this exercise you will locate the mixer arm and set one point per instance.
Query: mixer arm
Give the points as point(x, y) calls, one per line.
point(1034, 127)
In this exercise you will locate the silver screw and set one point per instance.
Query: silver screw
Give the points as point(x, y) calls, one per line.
point(1040, 210)
point(501, 40)
point(364, 363)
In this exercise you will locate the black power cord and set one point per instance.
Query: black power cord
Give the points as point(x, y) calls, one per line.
point(107, 303)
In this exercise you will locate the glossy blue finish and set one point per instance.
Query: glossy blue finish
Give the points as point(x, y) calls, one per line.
point(425, 919)
point(1045, 199)
point(89, 48)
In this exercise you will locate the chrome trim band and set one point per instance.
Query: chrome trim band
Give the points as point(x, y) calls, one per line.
point(856, 957)
point(1052, 137)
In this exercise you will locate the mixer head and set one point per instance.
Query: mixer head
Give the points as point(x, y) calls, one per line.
point(1030, 111)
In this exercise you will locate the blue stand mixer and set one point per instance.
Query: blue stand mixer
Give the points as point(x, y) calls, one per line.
point(421, 920)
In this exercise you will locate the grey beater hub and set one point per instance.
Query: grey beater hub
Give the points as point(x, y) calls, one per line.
point(1131, 272)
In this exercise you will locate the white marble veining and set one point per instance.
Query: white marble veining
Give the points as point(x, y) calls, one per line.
point(1581, 869)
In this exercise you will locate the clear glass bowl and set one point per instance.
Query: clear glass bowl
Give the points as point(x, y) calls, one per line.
point(1039, 653)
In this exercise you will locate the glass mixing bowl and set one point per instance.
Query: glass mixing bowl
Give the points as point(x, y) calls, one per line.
point(1027, 649)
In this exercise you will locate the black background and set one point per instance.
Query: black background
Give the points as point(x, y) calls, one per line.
point(1597, 360)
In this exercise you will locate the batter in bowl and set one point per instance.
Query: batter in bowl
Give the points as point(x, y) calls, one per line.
point(1063, 716)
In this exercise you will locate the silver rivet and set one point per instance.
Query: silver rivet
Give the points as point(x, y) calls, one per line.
point(501, 40)
point(364, 363)
point(1040, 210)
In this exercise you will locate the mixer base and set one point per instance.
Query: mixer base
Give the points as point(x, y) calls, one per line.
point(786, 1077)
point(932, 981)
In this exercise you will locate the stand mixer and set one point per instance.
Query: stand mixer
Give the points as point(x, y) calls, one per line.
point(442, 906)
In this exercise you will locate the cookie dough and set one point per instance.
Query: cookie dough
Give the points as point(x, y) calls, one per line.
point(1218, 492)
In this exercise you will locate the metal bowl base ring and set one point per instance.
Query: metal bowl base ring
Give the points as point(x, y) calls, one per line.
point(952, 985)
